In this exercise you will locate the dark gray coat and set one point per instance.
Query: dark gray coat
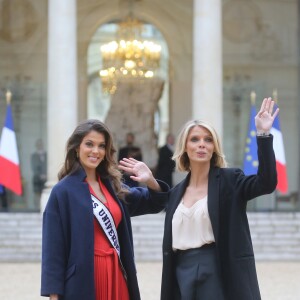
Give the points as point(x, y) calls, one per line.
point(228, 192)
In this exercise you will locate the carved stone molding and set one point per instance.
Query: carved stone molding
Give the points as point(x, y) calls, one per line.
point(18, 20)
point(132, 110)
point(241, 20)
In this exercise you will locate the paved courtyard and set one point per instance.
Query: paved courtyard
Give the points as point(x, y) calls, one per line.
point(278, 280)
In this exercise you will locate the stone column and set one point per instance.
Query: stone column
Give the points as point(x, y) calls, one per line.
point(62, 85)
point(207, 63)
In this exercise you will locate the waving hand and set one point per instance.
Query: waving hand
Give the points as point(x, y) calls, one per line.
point(265, 117)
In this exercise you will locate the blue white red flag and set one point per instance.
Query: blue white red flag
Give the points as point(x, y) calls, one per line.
point(10, 175)
point(282, 185)
point(250, 155)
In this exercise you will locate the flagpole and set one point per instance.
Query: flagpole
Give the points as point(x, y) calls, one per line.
point(275, 96)
point(8, 97)
point(253, 97)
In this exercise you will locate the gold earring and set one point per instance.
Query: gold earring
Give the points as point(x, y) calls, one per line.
point(77, 155)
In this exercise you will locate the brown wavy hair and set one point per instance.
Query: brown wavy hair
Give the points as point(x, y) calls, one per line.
point(107, 168)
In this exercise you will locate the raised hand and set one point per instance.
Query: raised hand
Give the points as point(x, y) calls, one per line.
point(140, 172)
point(265, 117)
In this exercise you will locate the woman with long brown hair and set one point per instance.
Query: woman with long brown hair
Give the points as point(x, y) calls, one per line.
point(87, 250)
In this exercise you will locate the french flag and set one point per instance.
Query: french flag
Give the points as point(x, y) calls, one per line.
point(10, 175)
point(282, 185)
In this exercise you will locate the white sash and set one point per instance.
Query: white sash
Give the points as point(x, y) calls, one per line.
point(107, 223)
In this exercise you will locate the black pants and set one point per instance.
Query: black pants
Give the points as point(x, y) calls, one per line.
point(4, 203)
point(198, 275)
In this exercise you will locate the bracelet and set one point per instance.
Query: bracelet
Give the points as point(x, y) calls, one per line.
point(261, 133)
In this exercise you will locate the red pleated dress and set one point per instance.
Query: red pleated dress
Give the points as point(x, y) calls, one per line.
point(110, 283)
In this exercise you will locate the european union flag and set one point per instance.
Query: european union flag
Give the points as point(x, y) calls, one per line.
point(250, 156)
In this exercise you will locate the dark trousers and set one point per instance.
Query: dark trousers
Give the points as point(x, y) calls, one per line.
point(4, 203)
point(198, 275)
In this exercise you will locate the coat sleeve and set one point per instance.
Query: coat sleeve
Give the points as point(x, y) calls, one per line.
point(265, 181)
point(53, 249)
point(141, 200)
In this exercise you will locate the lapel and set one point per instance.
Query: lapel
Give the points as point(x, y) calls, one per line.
point(174, 199)
point(82, 193)
point(213, 200)
point(176, 195)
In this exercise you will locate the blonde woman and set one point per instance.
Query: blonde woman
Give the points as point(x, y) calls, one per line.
point(207, 248)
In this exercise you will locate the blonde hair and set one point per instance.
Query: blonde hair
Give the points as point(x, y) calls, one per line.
point(180, 156)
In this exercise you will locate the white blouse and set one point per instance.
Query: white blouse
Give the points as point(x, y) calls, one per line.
point(191, 226)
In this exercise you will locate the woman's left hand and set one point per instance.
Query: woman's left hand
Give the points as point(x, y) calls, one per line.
point(140, 172)
point(265, 117)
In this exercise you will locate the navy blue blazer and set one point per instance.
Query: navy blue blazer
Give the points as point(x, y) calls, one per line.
point(68, 236)
point(228, 192)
